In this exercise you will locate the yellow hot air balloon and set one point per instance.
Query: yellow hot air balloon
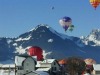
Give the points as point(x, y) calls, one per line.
point(95, 3)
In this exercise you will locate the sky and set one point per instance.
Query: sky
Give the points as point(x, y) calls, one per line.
point(20, 16)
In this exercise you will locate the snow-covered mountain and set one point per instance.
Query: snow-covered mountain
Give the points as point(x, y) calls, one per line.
point(54, 44)
point(93, 39)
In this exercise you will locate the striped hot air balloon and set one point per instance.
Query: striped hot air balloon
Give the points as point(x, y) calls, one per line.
point(95, 3)
point(66, 23)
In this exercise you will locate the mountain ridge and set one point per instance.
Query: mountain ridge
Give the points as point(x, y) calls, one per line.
point(59, 45)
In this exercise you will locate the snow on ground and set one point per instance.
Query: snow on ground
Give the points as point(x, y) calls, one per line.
point(22, 39)
point(15, 44)
point(9, 41)
point(20, 50)
point(46, 53)
point(50, 40)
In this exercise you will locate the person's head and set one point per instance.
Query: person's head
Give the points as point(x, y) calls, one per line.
point(75, 65)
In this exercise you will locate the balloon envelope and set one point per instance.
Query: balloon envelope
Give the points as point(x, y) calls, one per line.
point(71, 27)
point(65, 22)
point(62, 62)
point(36, 51)
point(94, 3)
point(52, 8)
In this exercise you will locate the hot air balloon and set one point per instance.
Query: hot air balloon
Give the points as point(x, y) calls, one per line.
point(52, 7)
point(62, 62)
point(65, 22)
point(36, 51)
point(94, 3)
point(71, 27)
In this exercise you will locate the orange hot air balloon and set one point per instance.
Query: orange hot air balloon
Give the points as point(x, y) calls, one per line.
point(95, 3)
point(62, 62)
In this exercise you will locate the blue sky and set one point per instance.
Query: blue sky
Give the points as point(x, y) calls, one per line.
point(20, 16)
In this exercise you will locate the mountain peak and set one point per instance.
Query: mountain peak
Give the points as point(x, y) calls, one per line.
point(38, 29)
point(39, 26)
point(95, 35)
point(93, 38)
